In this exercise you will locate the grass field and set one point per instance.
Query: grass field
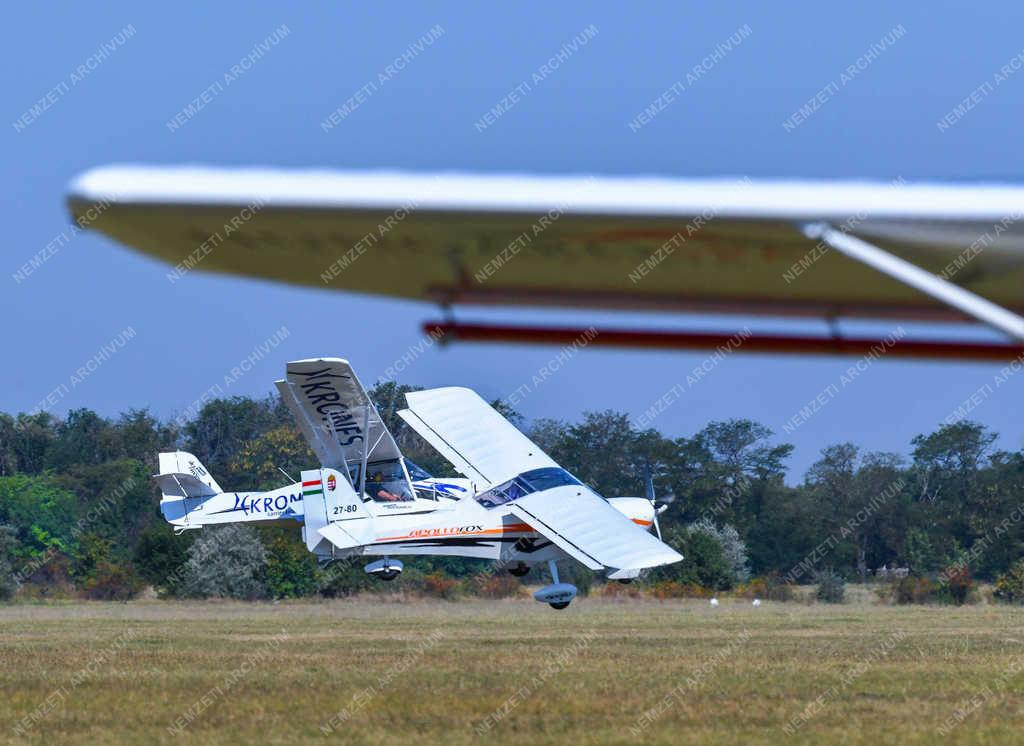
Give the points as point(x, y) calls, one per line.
point(632, 672)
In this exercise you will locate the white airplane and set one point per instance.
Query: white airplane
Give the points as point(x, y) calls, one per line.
point(514, 504)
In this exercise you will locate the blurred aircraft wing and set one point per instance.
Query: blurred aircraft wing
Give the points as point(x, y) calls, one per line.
point(701, 245)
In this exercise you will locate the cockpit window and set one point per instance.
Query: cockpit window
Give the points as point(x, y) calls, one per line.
point(386, 481)
point(416, 473)
point(545, 479)
point(534, 480)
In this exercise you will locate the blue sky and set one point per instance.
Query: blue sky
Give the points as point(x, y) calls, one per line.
point(188, 336)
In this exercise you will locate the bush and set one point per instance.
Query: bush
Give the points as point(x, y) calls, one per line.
point(614, 589)
point(959, 586)
point(734, 550)
point(915, 590)
point(675, 589)
point(1010, 585)
point(160, 554)
point(110, 582)
point(831, 587)
point(705, 563)
point(291, 568)
point(225, 562)
point(344, 578)
point(497, 585)
point(438, 585)
point(770, 588)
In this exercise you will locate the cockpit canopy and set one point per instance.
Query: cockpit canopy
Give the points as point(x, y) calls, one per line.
point(534, 480)
point(386, 481)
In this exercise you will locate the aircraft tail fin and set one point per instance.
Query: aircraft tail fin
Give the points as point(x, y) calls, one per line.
point(188, 470)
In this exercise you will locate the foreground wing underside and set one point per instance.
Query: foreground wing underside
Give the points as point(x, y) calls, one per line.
point(717, 245)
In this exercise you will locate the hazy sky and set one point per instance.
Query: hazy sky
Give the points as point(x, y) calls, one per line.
point(172, 342)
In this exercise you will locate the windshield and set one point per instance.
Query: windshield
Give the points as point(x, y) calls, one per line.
point(534, 480)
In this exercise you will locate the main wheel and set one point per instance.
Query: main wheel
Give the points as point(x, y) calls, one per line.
point(560, 606)
point(519, 570)
point(389, 575)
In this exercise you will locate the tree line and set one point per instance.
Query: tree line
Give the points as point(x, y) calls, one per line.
point(79, 511)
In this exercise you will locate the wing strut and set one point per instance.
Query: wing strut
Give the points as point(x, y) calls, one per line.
point(910, 274)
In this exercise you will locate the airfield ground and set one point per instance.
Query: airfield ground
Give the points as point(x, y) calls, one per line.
point(384, 672)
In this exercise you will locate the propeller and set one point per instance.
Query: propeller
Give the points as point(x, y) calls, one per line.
point(649, 488)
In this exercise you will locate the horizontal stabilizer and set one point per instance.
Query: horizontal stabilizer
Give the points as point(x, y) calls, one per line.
point(347, 534)
point(183, 485)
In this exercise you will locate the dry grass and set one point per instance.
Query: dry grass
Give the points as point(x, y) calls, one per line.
point(587, 675)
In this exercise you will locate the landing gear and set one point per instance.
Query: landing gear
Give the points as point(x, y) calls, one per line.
point(385, 569)
point(519, 570)
point(557, 595)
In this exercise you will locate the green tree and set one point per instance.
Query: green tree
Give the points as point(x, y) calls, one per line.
point(223, 427)
point(34, 434)
point(256, 464)
point(83, 438)
point(8, 552)
point(40, 512)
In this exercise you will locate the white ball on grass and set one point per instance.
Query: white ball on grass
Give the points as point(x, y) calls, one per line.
point(714, 602)
point(757, 602)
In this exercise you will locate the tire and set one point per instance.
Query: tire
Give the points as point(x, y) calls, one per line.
point(519, 571)
point(560, 606)
point(388, 576)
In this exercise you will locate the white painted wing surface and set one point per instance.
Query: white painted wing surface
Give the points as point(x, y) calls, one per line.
point(587, 528)
point(335, 413)
point(480, 443)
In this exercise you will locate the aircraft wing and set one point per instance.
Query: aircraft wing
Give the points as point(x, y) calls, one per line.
point(590, 530)
point(714, 245)
point(488, 449)
point(335, 413)
point(481, 444)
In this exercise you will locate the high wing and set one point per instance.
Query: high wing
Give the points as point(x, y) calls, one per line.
point(481, 444)
point(714, 245)
point(485, 447)
point(335, 413)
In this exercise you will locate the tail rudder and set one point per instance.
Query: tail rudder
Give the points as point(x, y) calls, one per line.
point(184, 485)
point(180, 462)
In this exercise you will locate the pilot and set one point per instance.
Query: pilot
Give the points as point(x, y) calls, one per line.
point(380, 493)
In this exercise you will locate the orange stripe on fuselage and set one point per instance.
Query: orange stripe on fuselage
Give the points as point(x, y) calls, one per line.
point(512, 528)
